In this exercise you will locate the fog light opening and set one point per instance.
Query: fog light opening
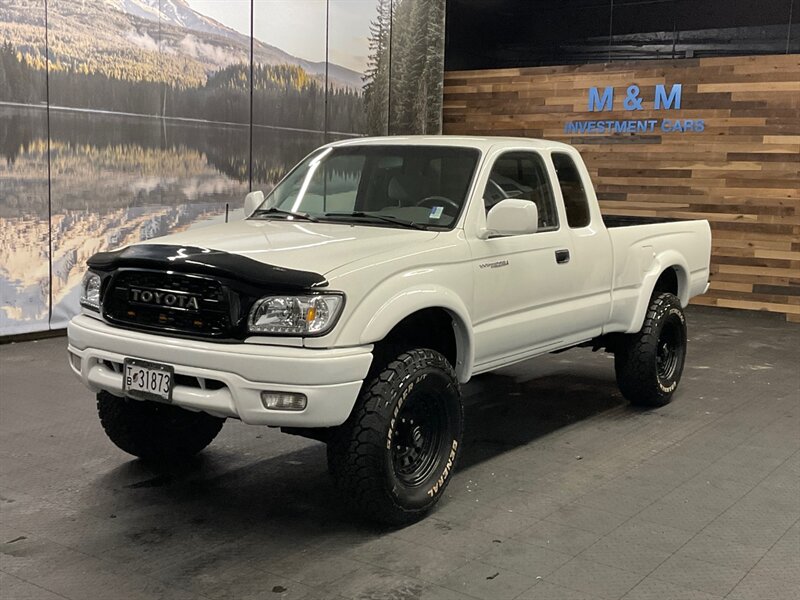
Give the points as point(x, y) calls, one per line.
point(76, 361)
point(284, 401)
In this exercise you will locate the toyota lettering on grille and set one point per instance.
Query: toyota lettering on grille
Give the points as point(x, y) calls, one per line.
point(164, 298)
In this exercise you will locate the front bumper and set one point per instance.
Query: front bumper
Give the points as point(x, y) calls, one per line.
point(331, 379)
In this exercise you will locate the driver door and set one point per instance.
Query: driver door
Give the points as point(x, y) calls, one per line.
point(520, 280)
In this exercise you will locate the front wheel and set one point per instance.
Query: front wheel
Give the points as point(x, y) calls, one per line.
point(155, 431)
point(394, 455)
point(649, 363)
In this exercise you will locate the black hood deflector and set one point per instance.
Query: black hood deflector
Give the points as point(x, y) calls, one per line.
point(205, 261)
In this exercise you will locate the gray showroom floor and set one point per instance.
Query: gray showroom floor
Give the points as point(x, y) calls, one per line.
point(565, 492)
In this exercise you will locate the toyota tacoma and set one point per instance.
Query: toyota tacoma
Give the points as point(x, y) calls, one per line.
point(353, 301)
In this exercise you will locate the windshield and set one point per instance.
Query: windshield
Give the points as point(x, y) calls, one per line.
point(392, 185)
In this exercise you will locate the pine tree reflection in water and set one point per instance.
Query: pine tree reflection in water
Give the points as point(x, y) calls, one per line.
point(115, 180)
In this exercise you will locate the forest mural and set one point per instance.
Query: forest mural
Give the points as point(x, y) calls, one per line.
point(124, 120)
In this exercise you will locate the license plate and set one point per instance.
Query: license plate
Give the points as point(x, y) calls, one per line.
point(147, 380)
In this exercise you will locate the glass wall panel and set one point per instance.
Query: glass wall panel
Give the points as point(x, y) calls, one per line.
point(24, 214)
point(106, 84)
point(205, 137)
point(417, 64)
point(288, 84)
point(357, 70)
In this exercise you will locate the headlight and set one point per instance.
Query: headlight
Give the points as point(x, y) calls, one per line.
point(301, 315)
point(90, 291)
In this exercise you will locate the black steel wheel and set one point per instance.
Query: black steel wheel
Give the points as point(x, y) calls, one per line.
point(394, 456)
point(670, 349)
point(649, 364)
point(418, 439)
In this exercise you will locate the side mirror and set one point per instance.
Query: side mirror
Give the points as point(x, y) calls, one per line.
point(512, 217)
point(252, 201)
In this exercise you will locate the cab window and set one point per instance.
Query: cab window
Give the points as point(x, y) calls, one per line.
point(569, 180)
point(522, 176)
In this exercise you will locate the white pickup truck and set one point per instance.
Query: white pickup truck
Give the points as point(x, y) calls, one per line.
point(353, 301)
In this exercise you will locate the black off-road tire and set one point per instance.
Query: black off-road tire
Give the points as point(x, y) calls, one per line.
point(155, 431)
point(649, 363)
point(394, 456)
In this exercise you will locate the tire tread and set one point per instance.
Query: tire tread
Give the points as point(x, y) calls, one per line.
point(633, 362)
point(141, 428)
point(356, 450)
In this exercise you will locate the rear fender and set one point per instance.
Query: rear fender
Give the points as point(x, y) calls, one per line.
point(661, 262)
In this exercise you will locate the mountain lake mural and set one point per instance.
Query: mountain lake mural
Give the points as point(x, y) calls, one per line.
point(126, 120)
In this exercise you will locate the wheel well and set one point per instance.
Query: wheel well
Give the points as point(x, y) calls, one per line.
point(428, 328)
point(667, 282)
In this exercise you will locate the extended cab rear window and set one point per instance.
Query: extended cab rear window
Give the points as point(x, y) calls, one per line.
point(575, 201)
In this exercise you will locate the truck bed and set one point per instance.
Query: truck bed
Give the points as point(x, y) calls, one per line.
point(639, 245)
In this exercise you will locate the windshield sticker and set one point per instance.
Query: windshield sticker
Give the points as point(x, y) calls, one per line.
point(436, 212)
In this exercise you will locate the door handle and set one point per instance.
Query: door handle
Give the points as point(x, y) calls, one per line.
point(562, 257)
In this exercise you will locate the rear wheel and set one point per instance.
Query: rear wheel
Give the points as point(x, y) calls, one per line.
point(649, 363)
point(155, 431)
point(394, 456)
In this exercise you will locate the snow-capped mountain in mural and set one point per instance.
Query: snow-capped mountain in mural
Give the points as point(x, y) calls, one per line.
point(145, 39)
point(174, 12)
point(180, 14)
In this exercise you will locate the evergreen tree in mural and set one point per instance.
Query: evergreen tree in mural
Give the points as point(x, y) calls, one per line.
point(376, 78)
point(16, 83)
point(406, 53)
point(287, 95)
point(434, 67)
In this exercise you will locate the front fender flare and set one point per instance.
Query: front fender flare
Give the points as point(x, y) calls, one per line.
point(406, 303)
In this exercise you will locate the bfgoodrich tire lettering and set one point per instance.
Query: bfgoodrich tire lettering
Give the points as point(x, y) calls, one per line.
point(394, 456)
point(154, 431)
point(649, 363)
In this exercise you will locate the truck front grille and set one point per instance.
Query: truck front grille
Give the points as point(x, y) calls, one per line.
point(169, 303)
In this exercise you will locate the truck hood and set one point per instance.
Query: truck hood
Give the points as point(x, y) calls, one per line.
point(304, 246)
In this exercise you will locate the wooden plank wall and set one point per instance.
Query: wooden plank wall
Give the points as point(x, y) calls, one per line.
point(742, 172)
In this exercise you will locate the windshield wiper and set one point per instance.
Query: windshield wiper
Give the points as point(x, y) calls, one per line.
point(360, 214)
point(287, 213)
